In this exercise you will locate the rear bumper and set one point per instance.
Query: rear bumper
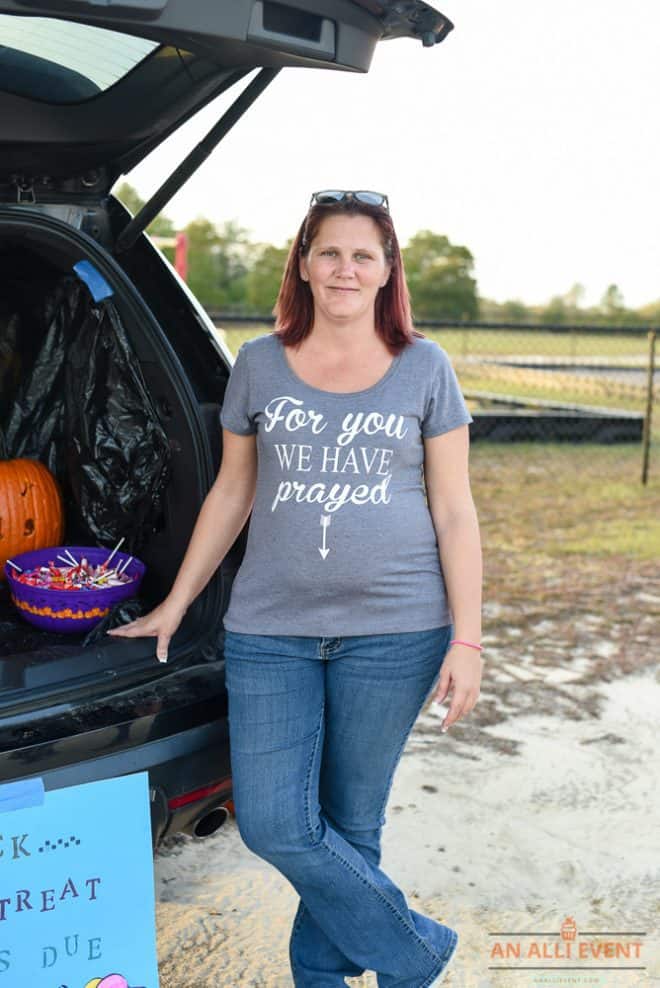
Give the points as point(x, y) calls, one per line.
point(182, 750)
point(181, 763)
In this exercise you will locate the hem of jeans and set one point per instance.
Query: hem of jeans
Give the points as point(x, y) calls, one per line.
point(298, 920)
point(447, 958)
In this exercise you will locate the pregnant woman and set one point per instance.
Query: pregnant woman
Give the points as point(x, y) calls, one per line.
point(345, 435)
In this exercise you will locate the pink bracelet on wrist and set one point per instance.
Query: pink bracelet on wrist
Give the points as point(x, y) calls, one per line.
point(459, 641)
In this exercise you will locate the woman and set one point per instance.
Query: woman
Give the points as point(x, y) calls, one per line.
point(339, 624)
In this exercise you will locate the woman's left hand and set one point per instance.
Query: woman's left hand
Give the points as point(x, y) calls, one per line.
point(461, 673)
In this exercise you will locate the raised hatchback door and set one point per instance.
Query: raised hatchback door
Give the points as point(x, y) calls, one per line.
point(94, 85)
point(343, 32)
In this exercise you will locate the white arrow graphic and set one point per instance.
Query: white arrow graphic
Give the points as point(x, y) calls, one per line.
point(325, 521)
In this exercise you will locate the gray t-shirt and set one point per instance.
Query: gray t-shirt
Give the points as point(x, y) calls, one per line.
point(341, 540)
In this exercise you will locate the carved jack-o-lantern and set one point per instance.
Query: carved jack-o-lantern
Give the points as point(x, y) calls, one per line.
point(31, 512)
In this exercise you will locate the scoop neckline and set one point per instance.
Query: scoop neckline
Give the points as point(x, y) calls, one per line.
point(394, 365)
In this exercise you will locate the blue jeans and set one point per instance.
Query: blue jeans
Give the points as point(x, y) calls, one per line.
point(317, 727)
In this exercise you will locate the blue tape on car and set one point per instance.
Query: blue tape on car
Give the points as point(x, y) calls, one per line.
point(21, 794)
point(94, 280)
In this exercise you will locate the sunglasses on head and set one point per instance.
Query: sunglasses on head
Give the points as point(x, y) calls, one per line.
point(329, 196)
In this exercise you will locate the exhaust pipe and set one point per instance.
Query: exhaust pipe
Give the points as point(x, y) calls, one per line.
point(207, 824)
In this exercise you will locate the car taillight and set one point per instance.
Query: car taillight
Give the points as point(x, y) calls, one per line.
point(196, 794)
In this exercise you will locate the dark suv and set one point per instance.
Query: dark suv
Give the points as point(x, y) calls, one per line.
point(87, 89)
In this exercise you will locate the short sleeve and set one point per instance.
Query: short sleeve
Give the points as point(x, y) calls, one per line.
point(235, 412)
point(445, 405)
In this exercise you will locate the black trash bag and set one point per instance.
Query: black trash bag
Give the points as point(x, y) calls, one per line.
point(35, 425)
point(84, 411)
point(118, 454)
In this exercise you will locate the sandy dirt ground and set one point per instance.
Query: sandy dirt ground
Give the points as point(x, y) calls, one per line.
point(542, 805)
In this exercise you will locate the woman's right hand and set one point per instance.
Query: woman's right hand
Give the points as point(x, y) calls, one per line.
point(160, 623)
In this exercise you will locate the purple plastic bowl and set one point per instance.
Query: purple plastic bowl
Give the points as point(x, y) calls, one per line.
point(70, 611)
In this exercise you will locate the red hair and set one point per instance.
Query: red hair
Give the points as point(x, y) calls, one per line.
point(294, 309)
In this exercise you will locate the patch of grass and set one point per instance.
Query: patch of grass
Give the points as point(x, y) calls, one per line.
point(496, 342)
point(571, 551)
point(636, 538)
point(556, 515)
point(237, 334)
point(602, 393)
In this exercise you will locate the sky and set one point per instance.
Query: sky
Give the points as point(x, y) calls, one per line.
point(530, 136)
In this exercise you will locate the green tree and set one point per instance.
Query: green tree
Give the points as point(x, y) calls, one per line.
point(264, 277)
point(218, 263)
point(439, 276)
point(567, 309)
point(513, 310)
point(555, 312)
point(649, 314)
point(612, 305)
point(614, 311)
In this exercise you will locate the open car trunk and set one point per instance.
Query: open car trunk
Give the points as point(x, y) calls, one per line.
point(90, 387)
point(108, 375)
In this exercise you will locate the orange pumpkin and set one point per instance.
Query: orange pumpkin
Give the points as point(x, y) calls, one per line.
point(31, 509)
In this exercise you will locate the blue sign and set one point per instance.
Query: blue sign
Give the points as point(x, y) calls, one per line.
point(77, 885)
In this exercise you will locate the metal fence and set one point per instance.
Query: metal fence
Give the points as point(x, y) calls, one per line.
point(574, 393)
